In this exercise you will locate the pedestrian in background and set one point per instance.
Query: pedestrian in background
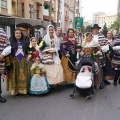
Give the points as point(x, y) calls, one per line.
point(60, 39)
point(18, 82)
point(5, 49)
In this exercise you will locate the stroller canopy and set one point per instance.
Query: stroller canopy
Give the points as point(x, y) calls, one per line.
point(86, 61)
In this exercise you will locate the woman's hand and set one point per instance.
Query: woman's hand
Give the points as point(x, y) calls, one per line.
point(67, 55)
point(1, 57)
point(99, 53)
point(108, 56)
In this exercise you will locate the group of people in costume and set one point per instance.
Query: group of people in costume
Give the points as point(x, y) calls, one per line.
point(35, 69)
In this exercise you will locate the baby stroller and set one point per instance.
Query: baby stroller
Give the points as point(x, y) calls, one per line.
point(85, 78)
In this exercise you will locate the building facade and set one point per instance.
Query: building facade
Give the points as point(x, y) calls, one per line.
point(118, 9)
point(25, 14)
point(108, 19)
point(96, 17)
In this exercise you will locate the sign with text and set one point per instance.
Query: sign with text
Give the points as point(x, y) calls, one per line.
point(78, 22)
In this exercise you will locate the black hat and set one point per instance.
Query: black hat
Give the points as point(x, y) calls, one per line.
point(96, 26)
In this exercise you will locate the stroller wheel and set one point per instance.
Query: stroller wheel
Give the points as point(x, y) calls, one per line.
point(72, 96)
point(101, 86)
point(88, 98)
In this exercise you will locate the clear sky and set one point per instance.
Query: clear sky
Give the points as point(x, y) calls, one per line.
point(92, 6)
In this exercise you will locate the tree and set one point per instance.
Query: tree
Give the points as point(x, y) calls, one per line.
point(88, 28)
point(83, 29)
point(104, 30)
point(116, 24)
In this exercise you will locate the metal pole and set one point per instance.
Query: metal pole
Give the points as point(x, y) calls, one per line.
point(74, 14)
point(58, 14)
point(50, 10)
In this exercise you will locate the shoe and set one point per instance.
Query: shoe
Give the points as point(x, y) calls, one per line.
point(2, 100)
point(115, 83)
point(95, 87)
point(119, 81)
point(106, 82)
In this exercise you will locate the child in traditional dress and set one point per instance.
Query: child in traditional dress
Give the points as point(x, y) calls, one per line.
point(38, 82)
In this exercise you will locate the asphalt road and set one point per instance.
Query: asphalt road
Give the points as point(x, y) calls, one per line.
point(105, 105)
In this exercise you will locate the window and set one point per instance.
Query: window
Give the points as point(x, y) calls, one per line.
point(4, 3)
point(31, 11)
point(22, 9)
point(37, 14)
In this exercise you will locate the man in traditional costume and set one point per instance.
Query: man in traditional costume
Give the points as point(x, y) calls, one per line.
point(5, 49)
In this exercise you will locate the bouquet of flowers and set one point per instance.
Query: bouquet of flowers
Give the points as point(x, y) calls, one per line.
point(30, 51)
point(42, 45)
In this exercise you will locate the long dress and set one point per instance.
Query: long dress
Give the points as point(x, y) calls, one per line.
point(38, 83)
point(94, 48)
point(54, 71)
point(108, 71)
point(18, 77)
point(68, 63)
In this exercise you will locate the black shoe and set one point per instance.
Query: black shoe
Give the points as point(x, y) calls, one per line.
point(95, 87)
point(119, 81)
point(106, 82)
point(2, 100)
point(115, 83)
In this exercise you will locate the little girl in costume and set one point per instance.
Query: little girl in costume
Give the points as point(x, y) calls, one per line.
point(38, 82)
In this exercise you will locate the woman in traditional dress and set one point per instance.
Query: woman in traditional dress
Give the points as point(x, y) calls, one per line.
point(18, 82)
point(116, 60)
point(95, 49)
point(54, 71)
point(69, 57)
point(108, 71)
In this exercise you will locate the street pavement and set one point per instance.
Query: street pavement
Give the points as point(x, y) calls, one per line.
point(57, 105)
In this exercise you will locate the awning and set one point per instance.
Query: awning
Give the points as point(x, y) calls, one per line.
point(9, 21)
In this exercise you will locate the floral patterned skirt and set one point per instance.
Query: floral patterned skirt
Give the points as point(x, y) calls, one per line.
point(18, 77)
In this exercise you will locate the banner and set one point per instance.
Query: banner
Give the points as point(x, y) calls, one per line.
point(78, 22)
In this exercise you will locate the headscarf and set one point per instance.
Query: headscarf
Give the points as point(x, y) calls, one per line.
point(56, 43)
point(47, 37)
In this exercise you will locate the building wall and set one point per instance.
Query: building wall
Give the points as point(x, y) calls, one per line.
point(96, 17)
point(66, 16)
point(118, 9)
point(108, 19)
point(71, 19)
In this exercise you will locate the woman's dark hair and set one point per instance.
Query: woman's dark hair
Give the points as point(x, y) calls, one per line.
point(33, 38)
point(24, 41)
point(70, 30)
point(38, 57)
point(13, 35)
point(88, 33)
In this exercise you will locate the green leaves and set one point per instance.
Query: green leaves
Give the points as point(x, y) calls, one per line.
point(116, 24)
